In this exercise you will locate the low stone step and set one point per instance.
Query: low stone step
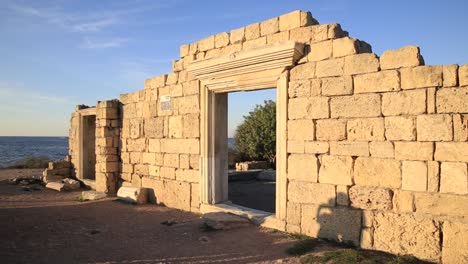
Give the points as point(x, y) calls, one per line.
point(225, 221)
point(92, 195)
point(133, 195)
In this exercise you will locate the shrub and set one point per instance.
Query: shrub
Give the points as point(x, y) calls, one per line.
point(32, 162)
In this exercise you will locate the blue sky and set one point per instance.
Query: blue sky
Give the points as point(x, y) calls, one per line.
point(59, 53)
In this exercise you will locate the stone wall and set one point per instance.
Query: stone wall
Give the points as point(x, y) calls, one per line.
point(377, 146)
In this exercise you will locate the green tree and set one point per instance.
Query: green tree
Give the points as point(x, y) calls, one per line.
point(255, 138)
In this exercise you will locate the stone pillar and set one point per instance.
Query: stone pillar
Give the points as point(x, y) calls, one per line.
point(107, 146)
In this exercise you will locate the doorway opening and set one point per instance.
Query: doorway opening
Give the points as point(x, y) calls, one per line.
point(88, 151)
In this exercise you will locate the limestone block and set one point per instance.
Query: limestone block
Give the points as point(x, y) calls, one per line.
point(232, 48)
point(316, 147)
point(153, 127)
point(184, 50)
point(167, 172)
point(255, 43)
point(383, 149)
point(296, 146)
point(454, 178)
point(180, 146)
point(133, 195)
point(344, 47)
point(175, 126)
point(331, 67)
point(460, 127)
point(320, 32)
point(421, 76)
point(194, 162)
point(336, 170)
point(58, 186)
point(414, 176)
point(302, 129)
point(148, 158)
point(206, 43)
point(451, 151)
point(414, 150)
point(302, 34)
point(320, 51)
point(188, 104)
point(335, 31)
point(371, 198)
point(270, 26)
point(303, 71)
point(403, 201)
point(299, 192)
point(92, 195)
point(154, 145)
point(154, 171)
point(450, 73)
point(452, 100)
point(361, 63)
point(405, 234)
point(293, 213)
point(331, 129)
point(184, 161)
point(237, 35)
point(317, 107)
point(377, 172)
point(463, 75)
point(400, 128)
point(404, 103)
point(188, 175)
point(434, 128)
point(295, 19)
point(303, 167)
point(170, 193)
point(195, 196)
point(441, 204)
point(455, 242)
point(221, 40)
point(337, 85)
point(431, 103)
point(367, 218)
point(367, 238)
point(141, 169)
point(278, 37)
point(339, 224)
point(193, 48)
point(408, 56)
point(366, 129)
point(433, 176)
point(192, 87)
point(361, 105)
point(171, 160)
point(342, 197)
point(300, 88)
point(172, 78)
point(383, 81)
point(191, 128)
point(343, 148)
point(252, 31)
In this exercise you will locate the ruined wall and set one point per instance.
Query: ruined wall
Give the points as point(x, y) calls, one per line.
point(377, 147)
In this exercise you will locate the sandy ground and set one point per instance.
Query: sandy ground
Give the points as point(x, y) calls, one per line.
point(45, 226)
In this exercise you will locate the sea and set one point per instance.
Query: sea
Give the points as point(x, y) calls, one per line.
point(13, 149)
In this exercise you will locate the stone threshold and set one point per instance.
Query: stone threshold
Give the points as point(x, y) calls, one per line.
point(260, 218)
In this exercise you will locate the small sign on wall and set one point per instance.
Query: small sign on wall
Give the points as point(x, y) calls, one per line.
point(166, 103)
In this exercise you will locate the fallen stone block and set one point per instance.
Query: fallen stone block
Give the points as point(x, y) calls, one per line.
point(133, 195)
point(224, 221)
point(58, 186)
point(70, 184)
point(92, 195)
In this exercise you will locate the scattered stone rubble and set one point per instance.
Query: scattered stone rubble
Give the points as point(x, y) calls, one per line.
point(252, 165)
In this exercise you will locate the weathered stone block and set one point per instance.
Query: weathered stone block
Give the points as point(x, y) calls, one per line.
point(433, 176)
point(454, 178)
point(316, 147)
point(405, 234)
point(450, 73)
point(339, 224)
point(342, 197)
point(221, 39)
point(414, 176)
point(343, 148)
point(400, 128)
point(383, 149)
point(328, 68)
point(434, 128)
point(302, 34)
point(298, 108)
point(296, 146)
point(408, 56)
point(317, 107)
point(403, 201)
point(383, 81)
point(188, 175)
point(299, 192)
point(175, 126)
point(299, 88)
point(254, 43)
point(295, 19)
point(293, 213)
point(463, 75)
point(302, 167)
point(441, 204)
point(344, 47)
point(337, 85)
point(171, 160)
point(278, 37)
point(237, 35)
point(377, 172)
point(336, 170)
point(404, 103)
point(407, 150)
point(420, 77)
point(367, 238)
point(460, 127)
point(303, 71)
point(302, 129)
point(452, 100)
point(362, 105)
point(366, 129)
point(331, 129)
point(184, 50)
point(320, 51)
point(451, 151)
point(270, 26)
point(455, 242)
point(169, 193)
point(133, 195)
point(179, 146)
point(361, 63)
point(370, 198)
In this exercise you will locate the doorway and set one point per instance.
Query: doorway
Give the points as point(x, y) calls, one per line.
point(88, 150)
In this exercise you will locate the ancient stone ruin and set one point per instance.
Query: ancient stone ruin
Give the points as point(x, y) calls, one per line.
point(370, 150)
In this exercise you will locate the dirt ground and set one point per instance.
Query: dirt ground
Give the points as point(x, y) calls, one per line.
point(45, 226)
